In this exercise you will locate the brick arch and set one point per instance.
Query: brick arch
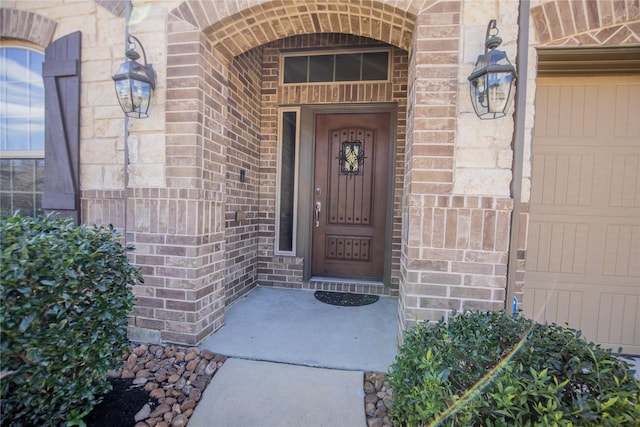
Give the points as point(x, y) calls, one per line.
point(587, 23)
point(28, 26)
point(234, 32)
point(205, 36)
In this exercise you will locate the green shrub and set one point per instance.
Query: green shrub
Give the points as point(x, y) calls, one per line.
point(65, 300)
point(495, 369)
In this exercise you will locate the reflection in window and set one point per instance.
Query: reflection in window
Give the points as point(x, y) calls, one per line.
point(21, 131)
point(348, 67)
point(21, 100)
point(321, 68)
point(287, 187)
point(21, 186)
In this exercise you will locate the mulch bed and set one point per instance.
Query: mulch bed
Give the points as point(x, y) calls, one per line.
point(119, 406)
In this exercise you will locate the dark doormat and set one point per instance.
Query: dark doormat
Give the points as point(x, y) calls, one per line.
point(344, 299)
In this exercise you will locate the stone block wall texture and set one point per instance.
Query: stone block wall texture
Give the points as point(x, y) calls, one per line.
point(214, 114)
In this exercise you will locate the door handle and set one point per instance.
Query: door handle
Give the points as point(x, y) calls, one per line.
point(318, 208)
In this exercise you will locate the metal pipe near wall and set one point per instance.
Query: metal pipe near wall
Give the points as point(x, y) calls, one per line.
point(518, 151)
point(127, 18)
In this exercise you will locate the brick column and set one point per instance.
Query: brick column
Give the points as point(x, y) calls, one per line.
point(454, 248)
point(179, 231)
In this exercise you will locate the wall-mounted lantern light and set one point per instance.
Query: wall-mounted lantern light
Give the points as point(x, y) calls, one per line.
point(135, 83)
point(493, 79)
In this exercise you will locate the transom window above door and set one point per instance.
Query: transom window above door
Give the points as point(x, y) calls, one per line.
point(342, 66)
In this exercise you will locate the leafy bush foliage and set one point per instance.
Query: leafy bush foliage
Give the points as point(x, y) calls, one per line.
point(65, 300)
point(495, 369)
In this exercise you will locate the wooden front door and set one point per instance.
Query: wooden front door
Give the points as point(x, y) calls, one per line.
point(350, 195)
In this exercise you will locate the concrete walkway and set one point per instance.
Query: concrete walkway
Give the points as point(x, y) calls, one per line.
point(296, 361)
point(246, 393)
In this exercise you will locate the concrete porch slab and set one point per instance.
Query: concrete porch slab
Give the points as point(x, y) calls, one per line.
point(291, 326)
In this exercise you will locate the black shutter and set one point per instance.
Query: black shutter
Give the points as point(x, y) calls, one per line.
point(61, 74)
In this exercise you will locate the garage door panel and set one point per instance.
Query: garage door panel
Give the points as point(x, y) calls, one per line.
point(558, 247)
point(579, 101)
point(600, 251)
point(618, 320)
point(563, 307)
point(583, 243)
point(563, 179)
point(625, 181)
point(626, 121)
point(609, 318)
point(621, 250)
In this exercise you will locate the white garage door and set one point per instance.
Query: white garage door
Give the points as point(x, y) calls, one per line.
point(583, 255)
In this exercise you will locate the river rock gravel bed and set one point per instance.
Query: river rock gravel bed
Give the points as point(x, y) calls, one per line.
point(174, 379)
point(376, 400)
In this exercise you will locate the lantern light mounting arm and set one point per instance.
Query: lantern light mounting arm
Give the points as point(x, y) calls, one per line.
point(131, 53)
point(492, 41)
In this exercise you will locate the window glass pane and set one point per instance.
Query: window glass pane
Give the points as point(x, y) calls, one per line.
point(348, 67)
point(5, 174)
point(295, 69)
point(21, 100)
point(14, 64)
point(39, 182)
point(5, 204)
point(21, 186)
point(35, 65)
point(23, 175)
point(36, 98)
point(37, 136)
point(321, 68)
point(23, 202)
point(287, 181)
point(17, 134)
point(375, 66)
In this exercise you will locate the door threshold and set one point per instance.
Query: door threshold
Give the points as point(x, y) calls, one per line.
point(346, 281)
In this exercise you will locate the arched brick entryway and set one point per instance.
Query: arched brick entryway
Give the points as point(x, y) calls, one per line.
point(214, 118)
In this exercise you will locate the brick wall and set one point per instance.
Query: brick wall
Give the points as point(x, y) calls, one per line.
point(243, 173)
point(456, 255)
point(586, 22)
point(178, 235)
